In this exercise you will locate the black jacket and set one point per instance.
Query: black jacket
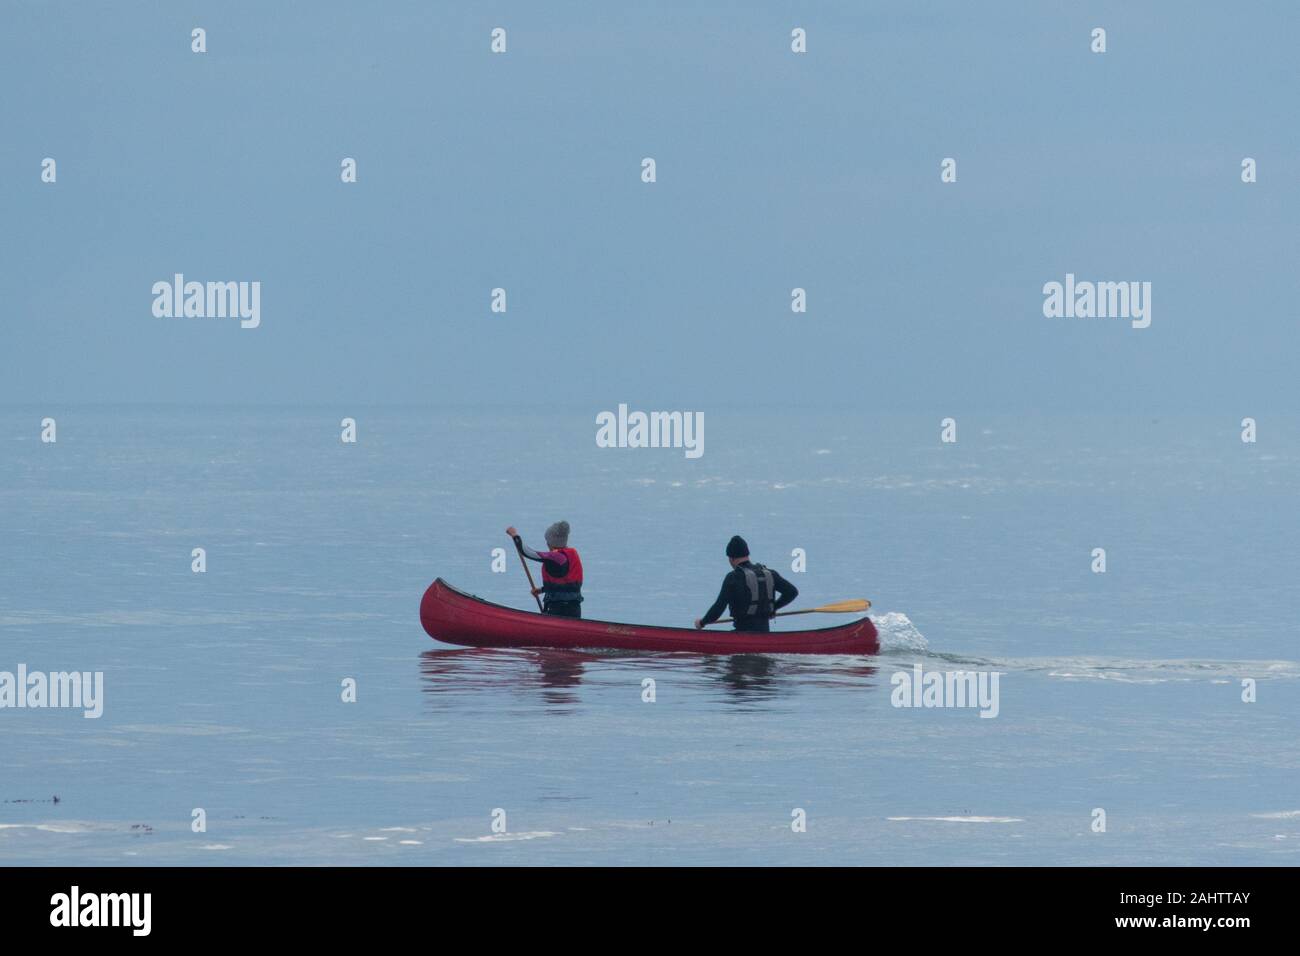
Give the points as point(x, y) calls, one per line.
point(735, 594)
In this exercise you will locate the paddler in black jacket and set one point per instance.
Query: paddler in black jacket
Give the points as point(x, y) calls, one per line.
point(750, 590)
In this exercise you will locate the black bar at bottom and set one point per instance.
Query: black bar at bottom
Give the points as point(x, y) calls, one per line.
point(335, 905)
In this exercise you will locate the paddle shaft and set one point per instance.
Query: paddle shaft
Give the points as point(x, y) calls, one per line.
point(851, 606)
point(531, 586)
point(810, 610)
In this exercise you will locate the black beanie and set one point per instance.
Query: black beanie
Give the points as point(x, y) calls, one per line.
point(737, 548)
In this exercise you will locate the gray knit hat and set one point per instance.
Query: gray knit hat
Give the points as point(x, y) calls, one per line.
point(557, 535)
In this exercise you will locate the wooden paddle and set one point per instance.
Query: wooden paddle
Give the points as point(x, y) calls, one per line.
point(532, 587)
point(839, 607)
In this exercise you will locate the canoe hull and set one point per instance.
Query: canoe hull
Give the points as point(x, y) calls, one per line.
point(455, 617)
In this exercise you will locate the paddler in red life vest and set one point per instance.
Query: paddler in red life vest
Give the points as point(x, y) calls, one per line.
point(751, 590)
point(561, 588)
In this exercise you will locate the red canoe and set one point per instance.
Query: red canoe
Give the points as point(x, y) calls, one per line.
point(454, 617)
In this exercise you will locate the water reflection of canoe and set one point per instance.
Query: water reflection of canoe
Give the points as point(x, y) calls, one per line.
point(455, 617)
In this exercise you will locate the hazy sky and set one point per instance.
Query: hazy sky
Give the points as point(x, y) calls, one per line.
point(775, 170)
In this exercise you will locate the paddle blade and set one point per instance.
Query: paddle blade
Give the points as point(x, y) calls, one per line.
point(845, 607)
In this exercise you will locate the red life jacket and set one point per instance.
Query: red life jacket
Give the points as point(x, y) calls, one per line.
point(569, 583)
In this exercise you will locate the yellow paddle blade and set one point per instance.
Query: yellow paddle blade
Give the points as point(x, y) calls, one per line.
point(845, 607)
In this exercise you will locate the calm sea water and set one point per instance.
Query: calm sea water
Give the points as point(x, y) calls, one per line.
point(1119, 691)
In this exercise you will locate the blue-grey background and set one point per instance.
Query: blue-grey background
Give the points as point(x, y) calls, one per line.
point(1121, 691)
point(775, 171)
